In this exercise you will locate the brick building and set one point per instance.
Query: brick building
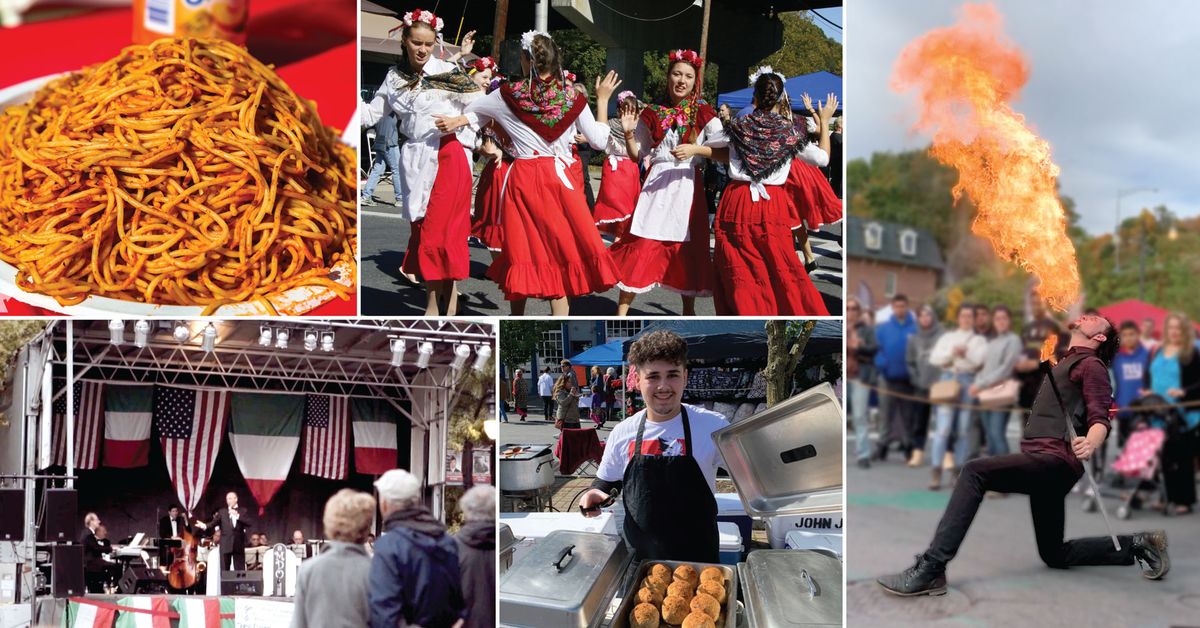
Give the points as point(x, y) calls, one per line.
point(886, 258)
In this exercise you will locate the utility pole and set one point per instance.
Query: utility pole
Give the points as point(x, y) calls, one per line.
point(703, 46)
point(498, 27)
point(541, 16)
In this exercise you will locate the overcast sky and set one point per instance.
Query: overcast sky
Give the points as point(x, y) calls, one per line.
point(1114, 90)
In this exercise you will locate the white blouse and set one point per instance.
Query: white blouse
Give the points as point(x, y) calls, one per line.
point(617, 147)
point(415, 108)
point(665, 204)
point(810, 154)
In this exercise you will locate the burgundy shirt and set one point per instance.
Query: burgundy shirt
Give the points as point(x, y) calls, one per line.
point(1092, 377)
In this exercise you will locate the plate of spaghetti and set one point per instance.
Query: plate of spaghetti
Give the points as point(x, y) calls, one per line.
point(178, 178)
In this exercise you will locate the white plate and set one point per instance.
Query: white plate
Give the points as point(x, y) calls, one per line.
point(97, 306)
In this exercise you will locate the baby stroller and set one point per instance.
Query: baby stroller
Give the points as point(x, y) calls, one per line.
point(1141, 458)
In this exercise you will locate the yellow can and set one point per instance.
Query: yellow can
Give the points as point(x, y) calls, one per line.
point(223, 19)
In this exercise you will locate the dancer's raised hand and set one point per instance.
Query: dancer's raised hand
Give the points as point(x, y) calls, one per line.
point(607, 85)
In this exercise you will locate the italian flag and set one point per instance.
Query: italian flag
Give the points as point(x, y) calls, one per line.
point(127, 411)
point(204, 612)
point(374, 436)
point(265, 433)
point(157, 613)
point(87, 615)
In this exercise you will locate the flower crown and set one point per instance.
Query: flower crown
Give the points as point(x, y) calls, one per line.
point(483, 63)
point(527, 40)
point(569, 76)
point(690, 57)
point(764, 69)
point(418, 15)
point(626, 94)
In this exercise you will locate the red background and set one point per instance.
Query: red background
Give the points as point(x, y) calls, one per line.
point(313, 45)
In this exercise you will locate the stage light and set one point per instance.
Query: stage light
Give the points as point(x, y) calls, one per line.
point(424, 354)
point(281, 338)
point(461, 353)
point(210, 339)
point(483, 354)
point(182, 333)
point(327, 341)
point(116, 332)
point(310, 340)
point(264, 336)
point(398, 347)
point(141, 333)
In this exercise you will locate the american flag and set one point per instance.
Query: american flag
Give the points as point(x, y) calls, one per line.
point(326, 436)
point(89, 419)
point(191, 424)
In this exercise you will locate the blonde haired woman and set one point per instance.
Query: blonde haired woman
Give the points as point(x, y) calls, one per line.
point(1174, 373)
point(331, 589)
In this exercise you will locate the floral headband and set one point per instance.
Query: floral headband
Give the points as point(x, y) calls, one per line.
point(483, 63)
point(690, 57)
point(626, 94)
point(527, 40)
point(764, 69)
point(418, 15)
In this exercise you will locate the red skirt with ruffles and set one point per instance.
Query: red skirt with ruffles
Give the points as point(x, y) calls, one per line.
point(487, 204)
point(812, 200)
point(551, 248)
point(759, 271)
point(683, 267)
point(618, 194)
point(437, 247)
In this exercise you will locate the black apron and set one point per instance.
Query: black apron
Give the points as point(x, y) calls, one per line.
point(670, 512)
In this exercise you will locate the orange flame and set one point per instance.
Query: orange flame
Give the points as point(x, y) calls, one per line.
point(965, 76)
point(1048, 349)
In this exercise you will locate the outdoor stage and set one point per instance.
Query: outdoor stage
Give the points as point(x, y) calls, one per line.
point(246, 610)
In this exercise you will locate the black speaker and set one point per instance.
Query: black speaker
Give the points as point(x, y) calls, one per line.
point(510, 58)
point(142, 580)
point(241, 583)
point(66, 571)
point(12, 514)
point(62, 516)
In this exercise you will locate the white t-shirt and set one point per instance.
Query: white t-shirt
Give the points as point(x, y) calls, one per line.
point(665, 438)
point(545, 385)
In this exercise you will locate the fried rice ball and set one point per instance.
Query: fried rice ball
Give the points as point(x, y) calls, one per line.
point(712, 574)
point(698, 620)
point(707, 604)
point(661, 571)
point(644, 616)
point(649, 596)
point(682, 589)
point(675, 609)
point(656, 584)
point(687, 573)
point(715, 589)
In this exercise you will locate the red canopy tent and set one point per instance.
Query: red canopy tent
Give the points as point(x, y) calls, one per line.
point(1137, 311)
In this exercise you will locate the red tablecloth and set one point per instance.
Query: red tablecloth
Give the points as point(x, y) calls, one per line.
point(577, 446)
point(313, 45)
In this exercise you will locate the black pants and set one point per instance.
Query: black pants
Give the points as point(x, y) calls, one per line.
point(919, 423)
point(1046, 480)
point(897, 426)
point(239, 560)
point(548, 406)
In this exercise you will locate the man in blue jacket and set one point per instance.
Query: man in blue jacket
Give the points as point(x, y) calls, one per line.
point(415, 578)
point(891, 362)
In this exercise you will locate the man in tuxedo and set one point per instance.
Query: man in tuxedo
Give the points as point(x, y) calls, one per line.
point(94, 567)
point(233, 524)
point(173, 525)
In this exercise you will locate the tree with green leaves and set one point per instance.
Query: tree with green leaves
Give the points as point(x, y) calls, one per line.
point(519, 340)
point(806, 48)
point(785, 349)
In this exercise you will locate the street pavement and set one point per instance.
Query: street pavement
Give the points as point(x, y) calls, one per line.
point(997, 578)
point(383, 237)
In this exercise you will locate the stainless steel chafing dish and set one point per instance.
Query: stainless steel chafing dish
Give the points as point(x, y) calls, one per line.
point(566, 580)
point(791, 588)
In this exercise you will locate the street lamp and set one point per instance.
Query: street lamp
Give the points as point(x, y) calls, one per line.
point(1117, 231)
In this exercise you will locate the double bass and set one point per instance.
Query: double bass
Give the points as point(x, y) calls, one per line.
point(185, 569)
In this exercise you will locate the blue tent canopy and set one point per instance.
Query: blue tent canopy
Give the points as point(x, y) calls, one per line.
point(816, 85)
point(723, 340)
point(602, 355)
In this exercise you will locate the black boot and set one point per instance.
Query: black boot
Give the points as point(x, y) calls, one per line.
point(925, 577)
point(881, 452)
point(1150, 549)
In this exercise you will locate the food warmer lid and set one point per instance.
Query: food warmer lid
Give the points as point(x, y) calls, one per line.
point(787, 459)
point(524, 452)
point(507, 539)
point(791, 588)
point(566, 580)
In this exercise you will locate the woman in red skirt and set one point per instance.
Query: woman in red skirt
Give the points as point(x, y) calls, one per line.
point(758, 271)
point(813, 200)
point(667, 240)
point(435, 181)
point(496, 149)
point(551, 248)
point(620, 179)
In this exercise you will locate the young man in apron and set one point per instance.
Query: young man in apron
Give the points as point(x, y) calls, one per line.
point(663, 461)
point(1047, 467)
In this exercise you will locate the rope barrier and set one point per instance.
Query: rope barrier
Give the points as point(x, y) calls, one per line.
point(964, 406)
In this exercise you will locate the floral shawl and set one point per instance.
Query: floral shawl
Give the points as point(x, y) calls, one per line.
point(547, 107)
point(764, 141)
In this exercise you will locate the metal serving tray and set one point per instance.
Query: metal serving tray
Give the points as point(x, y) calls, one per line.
point(789, 588)
point(787, 459)
point(564, 581)
point(639, 571)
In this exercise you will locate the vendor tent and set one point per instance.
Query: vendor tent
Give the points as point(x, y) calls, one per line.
point(608, 354)
point(816, 85)
point(740, 339)
point(1137, 311)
